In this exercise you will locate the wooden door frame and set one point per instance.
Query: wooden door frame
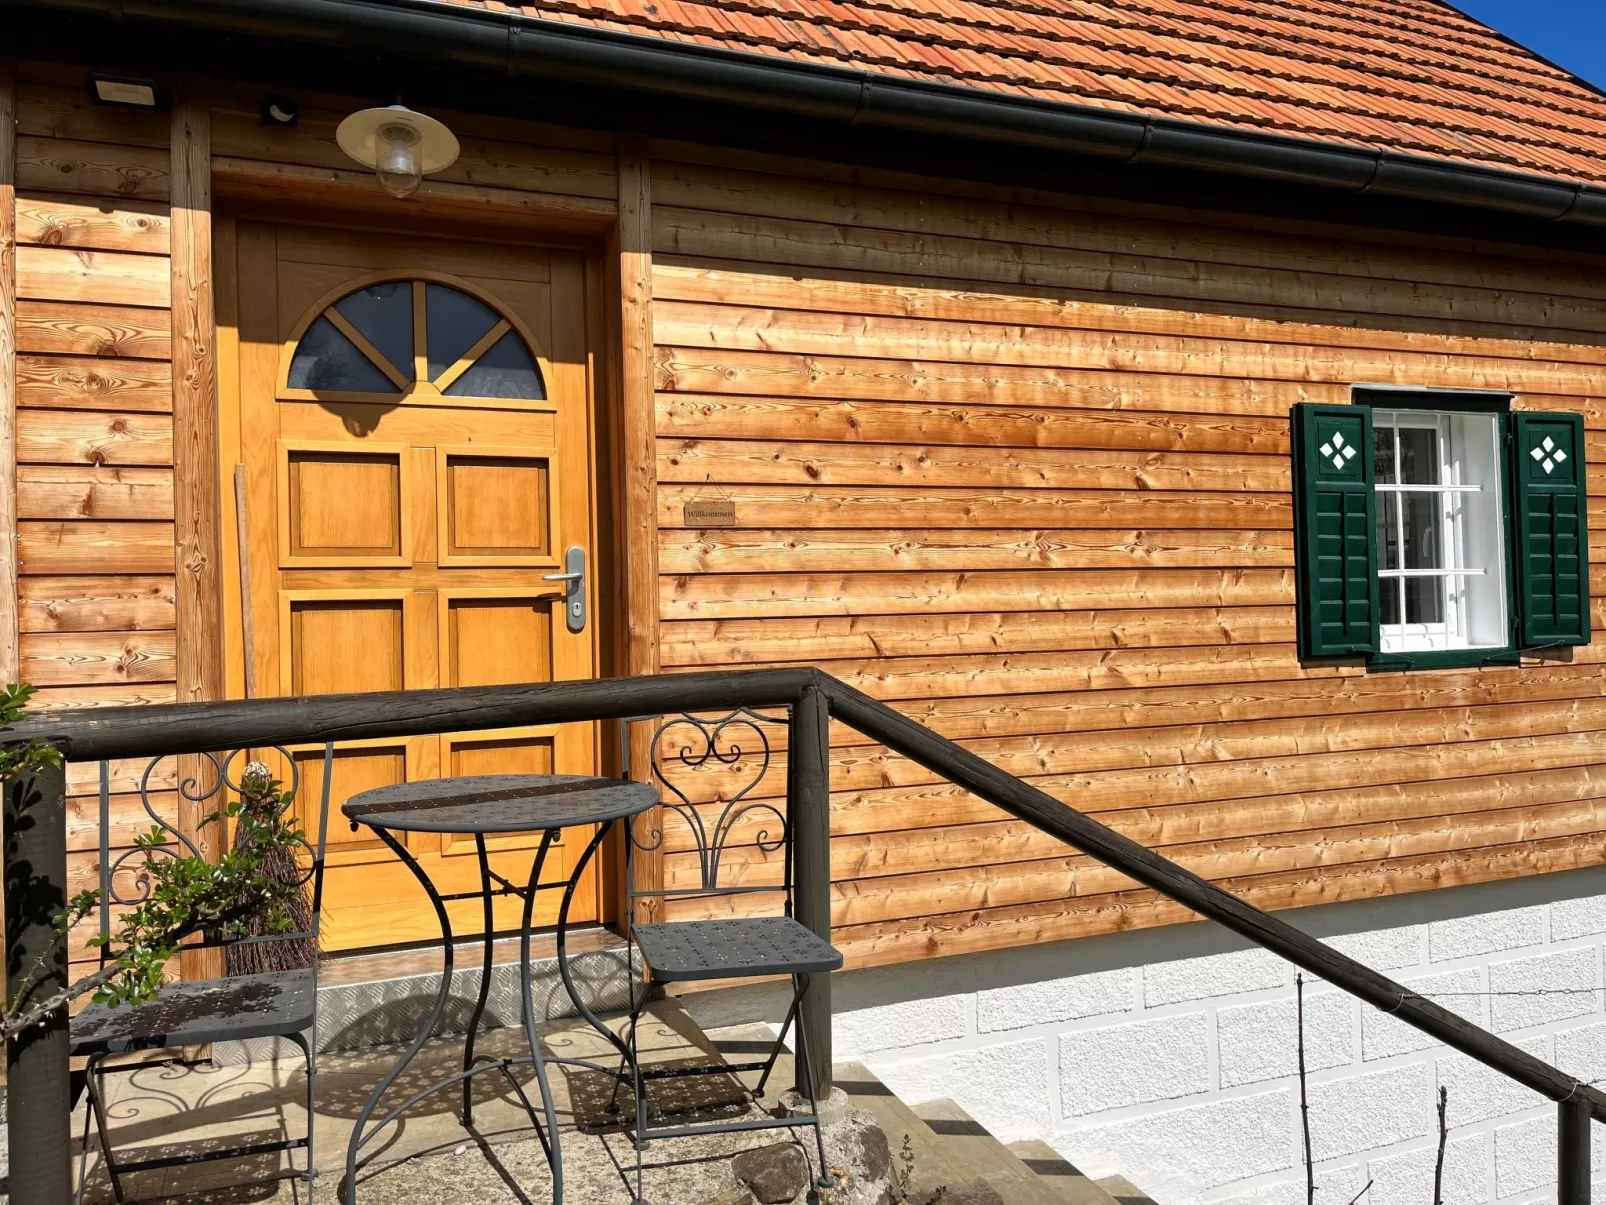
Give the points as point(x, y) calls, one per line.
point(636, 463)
point(614, 240)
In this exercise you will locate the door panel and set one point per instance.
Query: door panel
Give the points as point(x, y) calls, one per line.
point(493, 637)
point(497, 507)
point(334, 641)
point(340, 504)
point(358, 766)
point(413, 417)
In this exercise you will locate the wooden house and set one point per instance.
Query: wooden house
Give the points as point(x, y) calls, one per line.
point(1193, 407)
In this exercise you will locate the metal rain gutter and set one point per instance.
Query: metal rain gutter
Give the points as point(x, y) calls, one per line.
point(512, 44)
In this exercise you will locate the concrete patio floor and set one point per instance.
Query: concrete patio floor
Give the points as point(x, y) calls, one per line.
point(428, 1155)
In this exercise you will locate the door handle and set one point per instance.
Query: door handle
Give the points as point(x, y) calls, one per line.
point(574, 598)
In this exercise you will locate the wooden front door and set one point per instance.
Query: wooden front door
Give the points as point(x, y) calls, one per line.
point(414, 421)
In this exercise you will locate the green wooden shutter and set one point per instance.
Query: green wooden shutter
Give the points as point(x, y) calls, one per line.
point(1552, 543)
point(1335, 544)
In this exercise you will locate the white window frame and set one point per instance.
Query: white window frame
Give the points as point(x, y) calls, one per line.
point(1451, 634)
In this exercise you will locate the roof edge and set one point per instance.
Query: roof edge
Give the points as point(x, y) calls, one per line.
point(512, 44)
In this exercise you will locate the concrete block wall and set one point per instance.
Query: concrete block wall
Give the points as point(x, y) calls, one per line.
point(1169, 1055)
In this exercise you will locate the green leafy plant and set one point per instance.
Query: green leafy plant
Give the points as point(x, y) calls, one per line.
point(28, 757)
point(240, 893)
point(906, 1168)
point(248, 890)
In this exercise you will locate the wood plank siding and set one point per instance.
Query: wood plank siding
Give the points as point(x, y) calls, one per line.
point(94, 432)
point(1018, 464)
point(100, 348)
point(1015, 462)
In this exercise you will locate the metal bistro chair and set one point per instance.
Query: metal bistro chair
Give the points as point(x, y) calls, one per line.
point(278, 1004)
point(740, 948)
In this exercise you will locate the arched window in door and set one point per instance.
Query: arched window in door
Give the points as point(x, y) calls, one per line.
point(415, 337)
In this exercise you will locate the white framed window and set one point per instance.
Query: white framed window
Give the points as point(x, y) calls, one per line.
point(1441, 546)
point(1436, 528)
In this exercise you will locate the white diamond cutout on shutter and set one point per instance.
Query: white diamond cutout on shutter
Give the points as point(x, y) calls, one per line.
point(1338, 451)
point(1548, 454)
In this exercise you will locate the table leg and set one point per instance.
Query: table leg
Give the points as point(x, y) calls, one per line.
point(563, 936)
point(485, 979)
point(550, 1140)
point(627, 1049)
point(358, 1137)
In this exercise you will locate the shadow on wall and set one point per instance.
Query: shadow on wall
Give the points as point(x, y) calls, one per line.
point(968, 973)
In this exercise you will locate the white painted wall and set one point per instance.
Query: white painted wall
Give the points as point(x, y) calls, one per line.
point(1168, 1055)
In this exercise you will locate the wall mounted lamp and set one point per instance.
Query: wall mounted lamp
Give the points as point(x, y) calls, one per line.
point(280, 111)
point(400, 145)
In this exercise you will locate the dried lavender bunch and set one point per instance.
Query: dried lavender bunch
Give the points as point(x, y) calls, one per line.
point(263, 818)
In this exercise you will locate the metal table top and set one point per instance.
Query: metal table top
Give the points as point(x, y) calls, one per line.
point(499, 803)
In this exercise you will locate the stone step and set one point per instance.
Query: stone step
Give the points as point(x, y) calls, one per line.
point(919, 1164)
point(914, 1148)
point(751, 1044)
point(1070, 1185)
point(965, 1141)
point(938, 1144)
point(1124, 1191)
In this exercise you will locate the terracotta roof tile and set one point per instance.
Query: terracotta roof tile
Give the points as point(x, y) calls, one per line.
point(1414, 76)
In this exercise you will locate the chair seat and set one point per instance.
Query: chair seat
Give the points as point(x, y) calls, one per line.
point(207, 1010)
point(734, 949)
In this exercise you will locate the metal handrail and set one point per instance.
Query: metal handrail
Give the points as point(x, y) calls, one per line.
point(814, 697)
point(118, 732)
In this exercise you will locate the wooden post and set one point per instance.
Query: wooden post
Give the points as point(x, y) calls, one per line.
point(809, 808)
point(1572, 1152)
point(8, 375)
point(197, 506)
point(9, 604)
point(196, 502)
point(639, 462)
point(39, 1107)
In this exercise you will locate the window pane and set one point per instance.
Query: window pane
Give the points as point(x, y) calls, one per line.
point(455, 322)
point(1424, 599)
point(506, 370)
point(1419, 456)
point(1383, 454)
point(1390, 595)
point(328, 361)
point(1462, 528)
point(1424, 544)
point(383, 313)
point(1388, 531)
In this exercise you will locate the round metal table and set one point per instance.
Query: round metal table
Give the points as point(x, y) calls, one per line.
point(478, 807)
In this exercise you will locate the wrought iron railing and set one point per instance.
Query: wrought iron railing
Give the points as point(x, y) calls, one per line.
point(122, 880)
point(36, 871)
point(692, 743)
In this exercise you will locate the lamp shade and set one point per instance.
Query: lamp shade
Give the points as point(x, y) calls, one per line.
point(360, 137)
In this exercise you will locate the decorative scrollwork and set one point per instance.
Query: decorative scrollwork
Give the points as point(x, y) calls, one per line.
point(714, 741)
point(310, 866)
point(219, 778)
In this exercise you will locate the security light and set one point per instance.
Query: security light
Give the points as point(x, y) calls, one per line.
point(124, 91)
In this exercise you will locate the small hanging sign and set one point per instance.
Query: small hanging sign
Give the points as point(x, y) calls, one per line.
point(716, 511)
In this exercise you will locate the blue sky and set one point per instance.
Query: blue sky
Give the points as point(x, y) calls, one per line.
point(1570, 33)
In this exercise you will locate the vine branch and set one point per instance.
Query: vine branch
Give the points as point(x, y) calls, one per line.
point(182, 896)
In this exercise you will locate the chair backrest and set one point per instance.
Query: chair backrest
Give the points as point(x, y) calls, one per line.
point(722, 793)
point(220, 780)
